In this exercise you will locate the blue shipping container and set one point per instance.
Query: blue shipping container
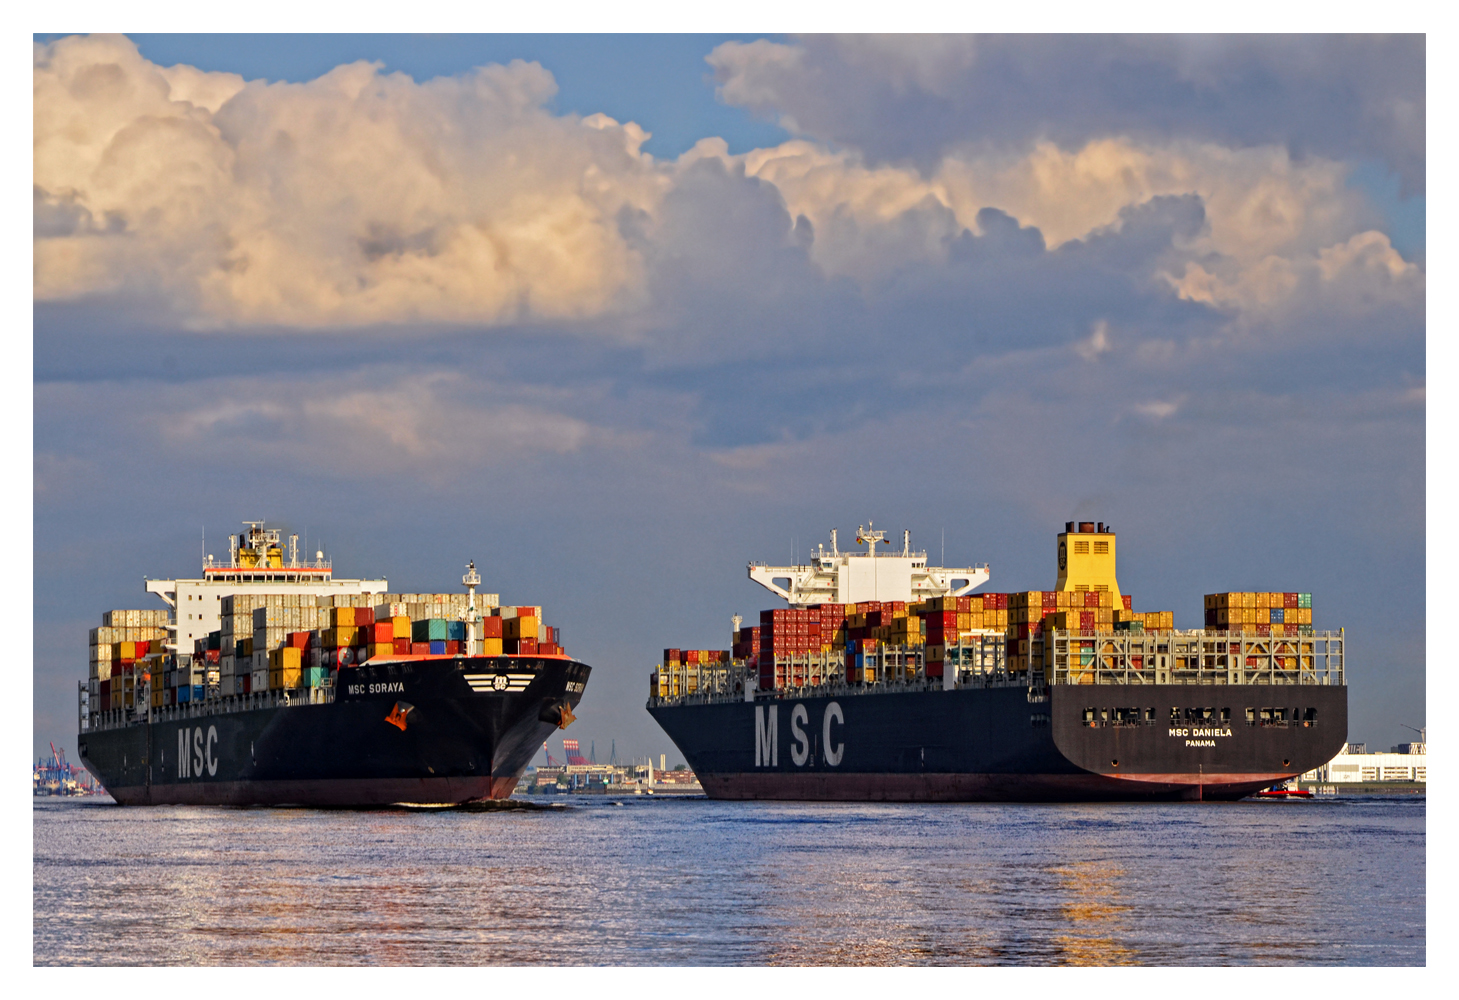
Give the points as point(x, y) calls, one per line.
point(1277, 616)
point(456, 631)
point(438, 645)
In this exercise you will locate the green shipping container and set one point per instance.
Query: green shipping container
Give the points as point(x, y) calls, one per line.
point(428, 630)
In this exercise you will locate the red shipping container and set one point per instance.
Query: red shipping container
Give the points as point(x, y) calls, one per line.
point(453, 646)
point(934, 668)
point(297, 640)
point(402, 646)
point(419, 648)
point(525, 647)
point(1086, 620)
point(491, 628)
point(1289, 600)
point(364, 616)
point(1129, 602)
point(247, 683)
point(380, 632)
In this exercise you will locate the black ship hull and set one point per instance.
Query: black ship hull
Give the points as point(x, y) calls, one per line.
point(1082, 743)
point(411, 731)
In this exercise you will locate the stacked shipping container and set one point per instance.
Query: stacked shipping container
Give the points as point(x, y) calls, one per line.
point(790, 645)
point(291, 641)
point(1279, 613)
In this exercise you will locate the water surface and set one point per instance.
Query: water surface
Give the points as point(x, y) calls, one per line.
point(694, 882)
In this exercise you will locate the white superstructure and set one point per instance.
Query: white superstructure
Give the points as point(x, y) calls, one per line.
point(836, 577)
point(257, 564)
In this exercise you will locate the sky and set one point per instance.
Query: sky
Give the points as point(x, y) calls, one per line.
point(615, 315)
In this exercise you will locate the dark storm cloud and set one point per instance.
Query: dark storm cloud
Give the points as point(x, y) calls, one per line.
point(916, 98)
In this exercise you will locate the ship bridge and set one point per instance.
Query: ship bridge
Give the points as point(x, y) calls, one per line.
point(836, 577)
point(260, 561)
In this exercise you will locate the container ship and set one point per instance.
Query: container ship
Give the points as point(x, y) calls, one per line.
point(886, 679)
point(268, 681)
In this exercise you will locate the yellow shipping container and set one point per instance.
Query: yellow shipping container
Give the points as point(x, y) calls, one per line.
point(520, 628)
point(491, 647)
point(290, 678)
point(382, 650)
point(342, 617)
point(275, 680)
point(290, 658)
point(401, 624)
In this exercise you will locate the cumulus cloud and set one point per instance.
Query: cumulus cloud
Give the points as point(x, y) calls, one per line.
point(359, 197)
point(909, 98)
point(365, 198)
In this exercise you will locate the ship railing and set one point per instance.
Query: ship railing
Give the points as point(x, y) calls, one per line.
point(978, 661)
point(1193, 657)
point(121, 718)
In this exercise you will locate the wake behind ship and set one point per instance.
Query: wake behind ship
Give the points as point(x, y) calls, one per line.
point(270, 682)
point(890, 680)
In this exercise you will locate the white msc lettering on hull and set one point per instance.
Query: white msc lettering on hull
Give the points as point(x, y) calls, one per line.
point(767, 735)
point(833, 757)
point(801, 752)
point(195, 752)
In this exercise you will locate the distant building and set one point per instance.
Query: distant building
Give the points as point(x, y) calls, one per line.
point(1406, 762)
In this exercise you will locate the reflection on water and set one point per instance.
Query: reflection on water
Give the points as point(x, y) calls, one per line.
point(1092, 911)
point(705, 883)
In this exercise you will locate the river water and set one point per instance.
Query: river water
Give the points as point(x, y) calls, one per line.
point(645, 881)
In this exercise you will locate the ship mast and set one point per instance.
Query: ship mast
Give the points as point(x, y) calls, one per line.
point(471, 579)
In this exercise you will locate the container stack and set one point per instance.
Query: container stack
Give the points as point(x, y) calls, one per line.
point(793, 647)
point(786, 635)
point(790, 646)
point(1278, 613)
point(118, 655)
point(271, 642)
point(688, 671)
